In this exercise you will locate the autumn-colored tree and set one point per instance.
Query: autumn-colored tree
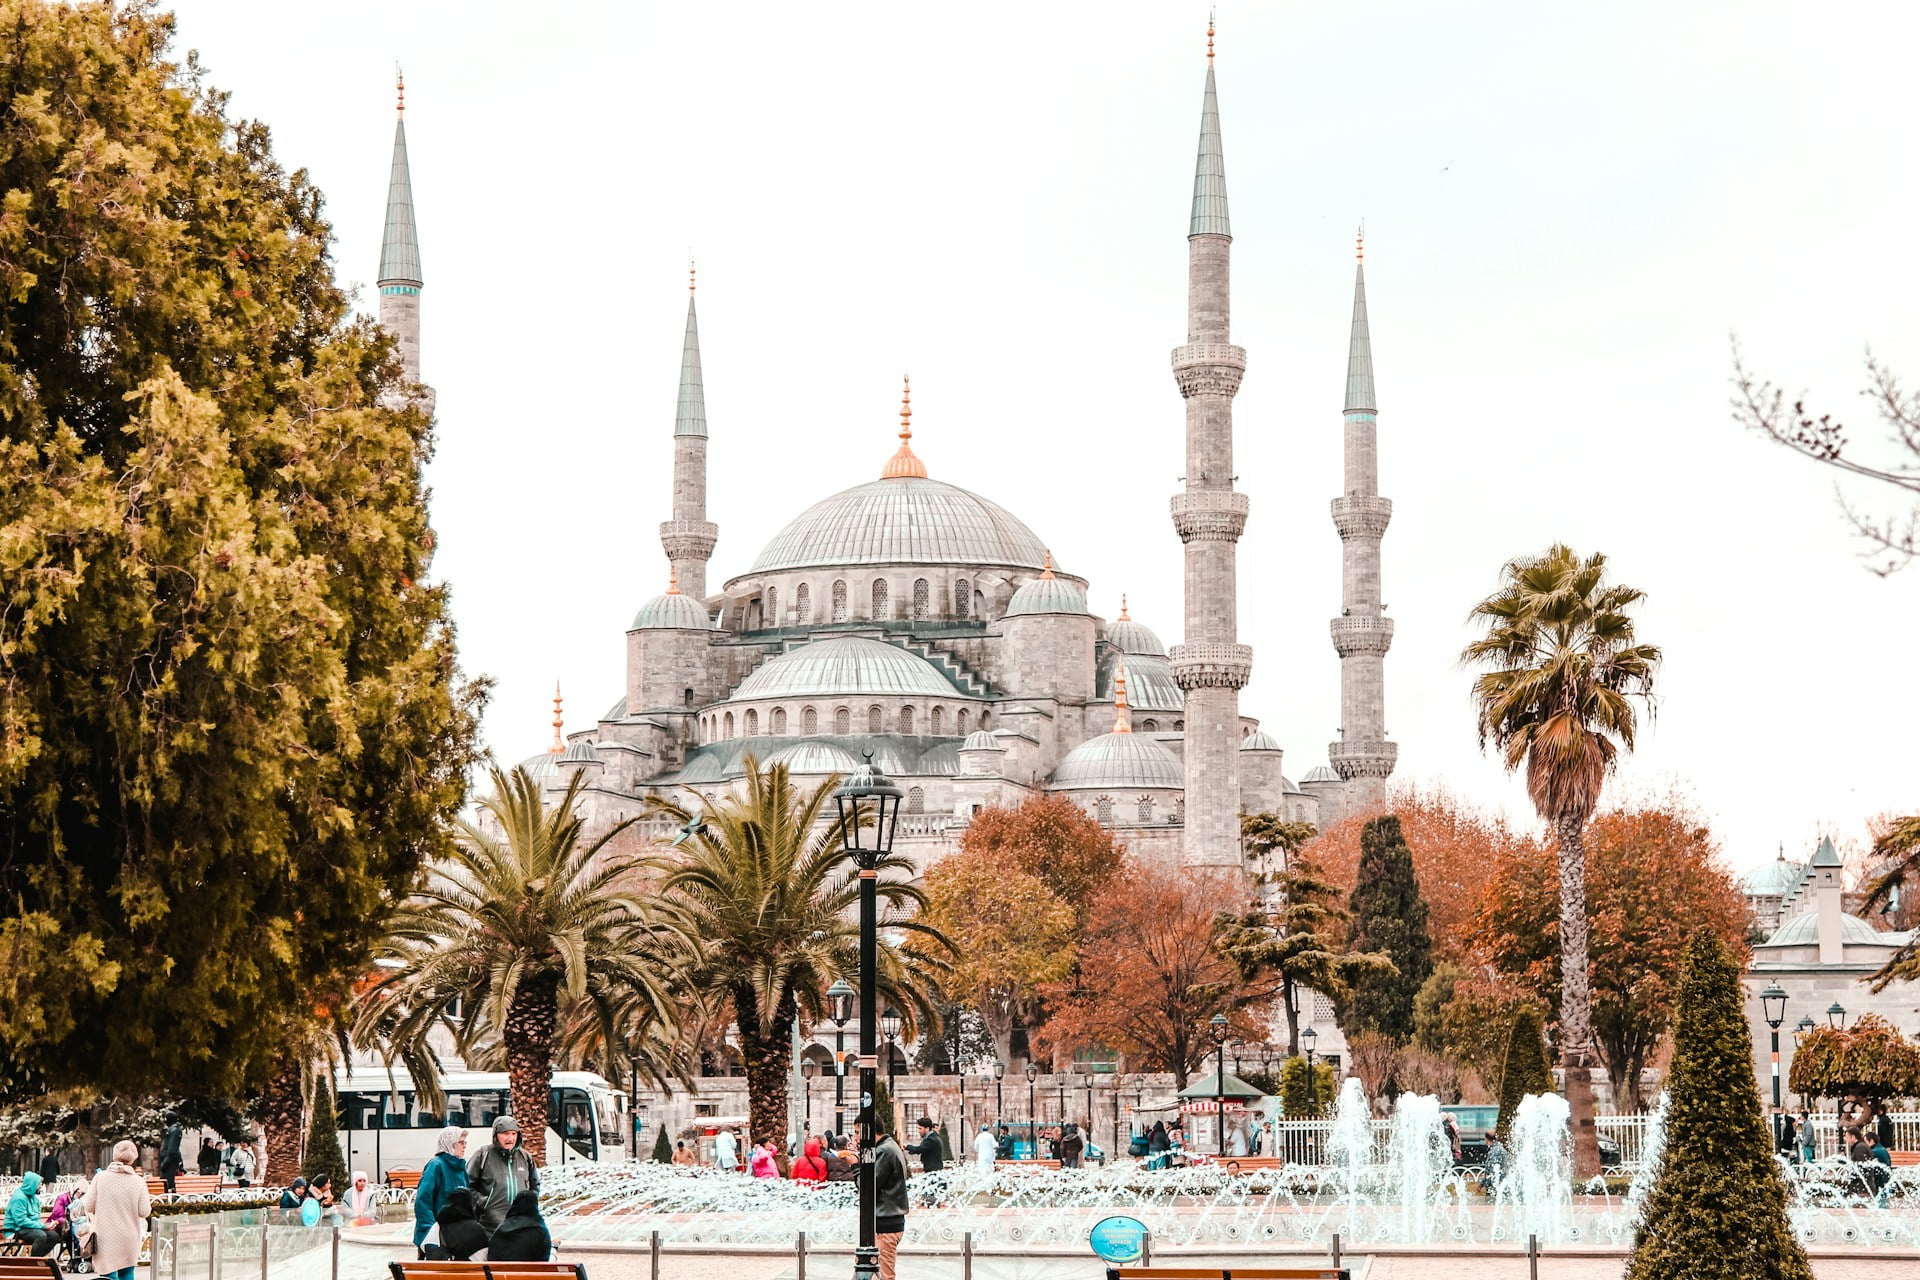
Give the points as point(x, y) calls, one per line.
point(1454, 848)
point(1466, 1016)
point(1869, 1059)
point(1653, 878)
point(1147, 975)
point(1893, 889)
point(1051, 837)
point(1010, 934)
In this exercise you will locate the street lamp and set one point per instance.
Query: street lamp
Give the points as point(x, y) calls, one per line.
point(999, 1102)
point(869, 809)
point(1836, 1016)
point(890, 1023)
point(1773, 1007)
point(1218, 1026)
point(840, 1006)
point(1309, 1038)
point(1033, 1133)
point(1801, 1030)
point(808, 1070)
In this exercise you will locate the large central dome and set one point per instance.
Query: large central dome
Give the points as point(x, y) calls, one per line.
point(903, 520)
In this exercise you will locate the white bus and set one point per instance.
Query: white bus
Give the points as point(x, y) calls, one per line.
point(386, 1127)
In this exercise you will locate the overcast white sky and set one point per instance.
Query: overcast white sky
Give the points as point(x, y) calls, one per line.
point(1568, 210)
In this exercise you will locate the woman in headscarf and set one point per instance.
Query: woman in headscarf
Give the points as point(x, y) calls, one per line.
point(462, 1238)
point(446, 1171)
point(118, 1207)
point(1158, 1145)
point(359, 1197)
point(522, 1236)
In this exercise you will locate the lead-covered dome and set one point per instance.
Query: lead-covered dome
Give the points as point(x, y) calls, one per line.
point(1135, 639)
point(1047, 595)
point(1115, 760)
point(903, 520)
point(845, 666)
point(673, 611)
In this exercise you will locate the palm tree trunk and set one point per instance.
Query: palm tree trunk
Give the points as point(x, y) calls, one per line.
point(768, 1060)
point(1576, 1001)
point(283, 1113)
point(528, 1040)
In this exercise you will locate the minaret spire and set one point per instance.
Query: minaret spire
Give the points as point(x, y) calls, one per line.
point(1361, 634)
point(1211, 666)
point(905, 463)
point(559, 745)
point(688, 537)
point(400, 281)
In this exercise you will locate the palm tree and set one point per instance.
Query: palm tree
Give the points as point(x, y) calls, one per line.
point(1561, 673)
point(759, 880)
point(525, 919)
point(1896, 858)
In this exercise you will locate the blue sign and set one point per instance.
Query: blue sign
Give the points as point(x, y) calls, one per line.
point(310, 1213)
point(1118, 1239)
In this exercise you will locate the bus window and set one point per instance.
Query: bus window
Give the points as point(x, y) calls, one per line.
point(613, 1117)
point(399, 1113)
point(361, 1110)
point(475, 1108)
point(572, 1116)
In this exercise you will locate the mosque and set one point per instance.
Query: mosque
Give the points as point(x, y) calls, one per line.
point(915, 621)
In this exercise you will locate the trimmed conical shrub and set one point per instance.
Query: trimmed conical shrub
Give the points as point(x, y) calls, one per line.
point(1718, 1208)
point(323, 1142)
point(662, 1148)
point(1527, 1070)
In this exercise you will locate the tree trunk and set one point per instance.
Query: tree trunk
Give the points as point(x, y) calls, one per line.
point(528, 1040)
point(1290, 1000)
point(1576, 1007)
point(769, 1064)
point(283, 1114)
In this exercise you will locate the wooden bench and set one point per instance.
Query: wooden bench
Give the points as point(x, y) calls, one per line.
point(487, 1270)
point(1228, 1273)
point(405, 1179)
point(21, 1267)
point(186, 1184)
point(1247, 1163)
point(1905, 1159)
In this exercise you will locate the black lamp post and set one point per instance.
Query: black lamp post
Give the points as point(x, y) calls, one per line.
point(1033, 1132)
point(840, 1002)
point(869, 809)
point(1217, 1025)
point(808, 1070)
point(1836, 1016)
point(1309, 1038)
point(890, 1023)
point(1773, 1007)
point(999, 1101)
point(1801, 1030)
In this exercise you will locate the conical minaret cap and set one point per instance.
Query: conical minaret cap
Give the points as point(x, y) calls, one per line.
point(1360, 343)
point(690, 418)
point(400, 245)
point(1210, 170)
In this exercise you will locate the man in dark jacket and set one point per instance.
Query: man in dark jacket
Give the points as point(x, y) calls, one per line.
point(498, 1173)
point(932, 1159)
point(1006, 1145)
point(889, 1201)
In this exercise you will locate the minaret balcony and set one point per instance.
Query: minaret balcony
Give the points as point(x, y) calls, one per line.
point(688, 539)
point(1209, 515)
point(1209, 368)
point(1357, 517)
point(1361, 635)
point(1363, 759)
point(1211, 665)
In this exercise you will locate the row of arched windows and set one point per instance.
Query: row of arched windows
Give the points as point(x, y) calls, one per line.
point(842, 606)
point(875, 720)
point(1105, 808)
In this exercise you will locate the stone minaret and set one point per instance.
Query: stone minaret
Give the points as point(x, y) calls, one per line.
point(1211, 667)
point(399, 282)
point(1361, 636)
point(688, 537)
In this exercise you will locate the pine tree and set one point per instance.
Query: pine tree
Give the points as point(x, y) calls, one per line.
point(1718, 1208)
point(1527, 1070)
point(662, 1148)
point(1389, 917)
point(1296, 1099)
point(324, 1155)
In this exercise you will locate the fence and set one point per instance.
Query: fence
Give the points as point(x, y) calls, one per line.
point(238, 1244)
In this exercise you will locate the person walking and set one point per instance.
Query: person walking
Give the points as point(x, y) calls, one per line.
point(890, 1202)
point(208, 1161)
point(23, 1217)
point(726, 1151)
point(1072, 1146)
point(985, 1149)
point(240, 1161)
point(498, 1173)
point(172, 1164)
point(49, 1169)
point(523, 1235)
point(841, 1166)
point(117, 1210)
point(1159, 1146)
point(1004, 1149)
point(444, 1174)
point(932, 1155)
point(1809, 1139)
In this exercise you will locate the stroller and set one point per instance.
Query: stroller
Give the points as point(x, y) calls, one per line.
point(73, 1238)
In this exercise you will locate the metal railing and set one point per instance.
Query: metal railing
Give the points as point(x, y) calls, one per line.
point(237, 1244)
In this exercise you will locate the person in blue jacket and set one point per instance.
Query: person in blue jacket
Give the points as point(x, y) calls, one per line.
point(446, 1171)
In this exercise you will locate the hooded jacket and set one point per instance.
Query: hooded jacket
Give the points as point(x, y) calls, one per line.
point(23, 1211)
point(810, 1167)
point(461, 1236)
point(444, 1174)
point(522, 1236)
point(498, 1177)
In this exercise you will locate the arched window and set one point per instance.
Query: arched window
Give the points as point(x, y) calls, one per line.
point(986, 718)
point(879, 599)
point(1146, 809)
point(1149, 726)
point(840, 601)
point(906, 719)
point(916, 800)
point(876, 720)
point(1179, 726)
point(688, 697)
point(843, 722)
point(979, 605)
point(756, 615)
point(753, 724)
point(729, 724)
point(803, 604)
point(934, 722)
point(809, 721)
point(773, 606)
point(920, 599)
point(779, 722)
point(962, 597)
point(1103, 810)
point(965, 718)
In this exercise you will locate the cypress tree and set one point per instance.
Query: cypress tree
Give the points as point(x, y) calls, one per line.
point(883, 1119)
point(323, 1142)
point(662, 1149)
point(1527, 1070)
point(1389, 917)
point(1718, 1208)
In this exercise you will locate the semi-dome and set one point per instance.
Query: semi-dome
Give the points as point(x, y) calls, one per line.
point(1804, 931)
point(903, 520)
point(845, 665)
point(673, 611)
point(1047, 594)
point(1260, 740)
point(815, 757)
point(1116, 760)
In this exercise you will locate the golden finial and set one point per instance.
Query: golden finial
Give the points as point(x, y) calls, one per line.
point(1209, 36)
point(1122, 717)
point(690, 269)
point(1360, 243)
point(1048, 566)
point(400, 88)
point(558, 720)
point(673, 580)
point(1123, 609)
point(903, 464)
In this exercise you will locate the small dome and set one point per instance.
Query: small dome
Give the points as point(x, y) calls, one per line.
point(1135, 639)
point(1804, 931)
point(981, 740)
point(1047, 594)
point(1259, 740)
point(673, 611)
point(1120, 760)
point(815, 757)
point(845, 666)
point(581, 752)
point(618, 711)
point(1288, 787)
point(1321, 773)
point(1771, 879)
point(543, 768)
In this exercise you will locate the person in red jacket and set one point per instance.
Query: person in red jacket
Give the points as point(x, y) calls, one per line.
point(810, 1167)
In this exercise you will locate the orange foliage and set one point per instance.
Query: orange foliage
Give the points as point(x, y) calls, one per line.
point(1051, 838)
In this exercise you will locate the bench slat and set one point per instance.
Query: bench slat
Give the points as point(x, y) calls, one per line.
point(1229, 1273)
point(485, 1270)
